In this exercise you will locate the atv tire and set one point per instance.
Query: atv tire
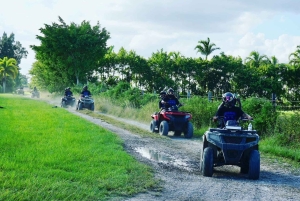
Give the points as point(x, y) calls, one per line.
point(207, 165)
point(80, 106)
point(153, 126)
point(164, 128)
point(92, 107)
point(189, 132)
point(63, 104)
point(254, 165)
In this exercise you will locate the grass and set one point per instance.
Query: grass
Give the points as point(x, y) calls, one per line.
point(50, 154)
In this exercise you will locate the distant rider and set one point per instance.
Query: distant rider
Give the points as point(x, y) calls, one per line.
point(85, 92)
point(171, 99)
point(162, 101)
point(68, 92)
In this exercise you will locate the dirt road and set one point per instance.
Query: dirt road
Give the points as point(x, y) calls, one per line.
point(176, 163)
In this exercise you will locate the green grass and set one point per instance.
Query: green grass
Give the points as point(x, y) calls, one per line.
point(48, 153)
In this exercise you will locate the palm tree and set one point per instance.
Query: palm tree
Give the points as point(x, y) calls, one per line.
point(295, 57)
point(205, 47)
point(8, 67)
point(256, 60)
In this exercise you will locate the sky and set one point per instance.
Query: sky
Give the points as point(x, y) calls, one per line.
point(237, 27)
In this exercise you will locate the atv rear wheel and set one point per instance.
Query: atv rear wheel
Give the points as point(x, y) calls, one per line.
point(189, 132)
point(207, 165)
point(63, 104)
point(254, 165)
point(153, 126)
point(164, 128)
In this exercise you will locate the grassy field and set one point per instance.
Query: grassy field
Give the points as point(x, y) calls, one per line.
point(49, 154)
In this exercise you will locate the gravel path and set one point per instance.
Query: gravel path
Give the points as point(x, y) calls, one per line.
point(175, 161)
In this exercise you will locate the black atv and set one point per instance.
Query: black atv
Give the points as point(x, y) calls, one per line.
point(85, 102)
point(172, 120)
point(231, 145)
point(67, 101)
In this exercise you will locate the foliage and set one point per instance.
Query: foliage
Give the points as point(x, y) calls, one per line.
point(73, 55)
point(11, 48)
point(264, 114)
point(8, 68)
point(287, 129)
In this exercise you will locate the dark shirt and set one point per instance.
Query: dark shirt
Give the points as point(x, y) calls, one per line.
point(68, 93)
point(233, 113)
point(85, 93)
point(162, 105)
point(171, 101)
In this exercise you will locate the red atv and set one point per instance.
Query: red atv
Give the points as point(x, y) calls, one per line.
point(172, 120)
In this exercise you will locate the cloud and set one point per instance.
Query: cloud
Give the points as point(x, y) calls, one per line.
point(147, 26)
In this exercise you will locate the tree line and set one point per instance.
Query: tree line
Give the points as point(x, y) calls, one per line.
point(76, 54)
point(11, 53)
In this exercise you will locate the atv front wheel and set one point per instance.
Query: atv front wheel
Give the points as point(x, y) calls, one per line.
point(207, 165)
point(254, 165)
point(164, 128)
point(189, 132)
point(153, 126)
point(80, 106)
point(92, 107)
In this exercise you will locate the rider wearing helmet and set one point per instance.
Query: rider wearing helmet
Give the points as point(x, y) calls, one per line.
point(171, 98)
point(161, 103)
point(68, 92)
point(85, 92)
point(229, 110)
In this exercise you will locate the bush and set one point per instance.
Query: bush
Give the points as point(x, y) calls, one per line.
point(287, 129)
point(263, 113)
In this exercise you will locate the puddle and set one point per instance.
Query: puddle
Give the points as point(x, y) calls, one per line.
point(161, 157)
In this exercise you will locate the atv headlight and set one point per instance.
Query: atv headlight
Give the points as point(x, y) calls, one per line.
point(187, 116)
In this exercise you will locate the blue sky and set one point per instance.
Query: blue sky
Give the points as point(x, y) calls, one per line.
point(237, 27)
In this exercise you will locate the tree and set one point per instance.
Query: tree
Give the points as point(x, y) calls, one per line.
point(295, 57)
point(8, 67)
point(71, 52)
point(205, 47)
point(11, 49)
point(256, 60)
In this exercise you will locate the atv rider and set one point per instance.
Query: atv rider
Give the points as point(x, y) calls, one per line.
point(85, 92)
point(171, 99)
point(162, 101)
point(229, 110)
point(68, 92)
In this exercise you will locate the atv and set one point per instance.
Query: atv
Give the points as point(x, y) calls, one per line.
point(35, 94)
point(231, 145)
point(67, 100)
point(171, 119)
point(85, 102)
point(20, 91)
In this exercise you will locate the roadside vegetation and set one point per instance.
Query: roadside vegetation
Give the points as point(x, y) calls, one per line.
point(49, 154)
point(278, 130)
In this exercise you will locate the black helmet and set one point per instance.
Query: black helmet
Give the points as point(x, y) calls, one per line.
point(229, 99)
point(162, 94)
point(170, 91)
point(85, 87)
